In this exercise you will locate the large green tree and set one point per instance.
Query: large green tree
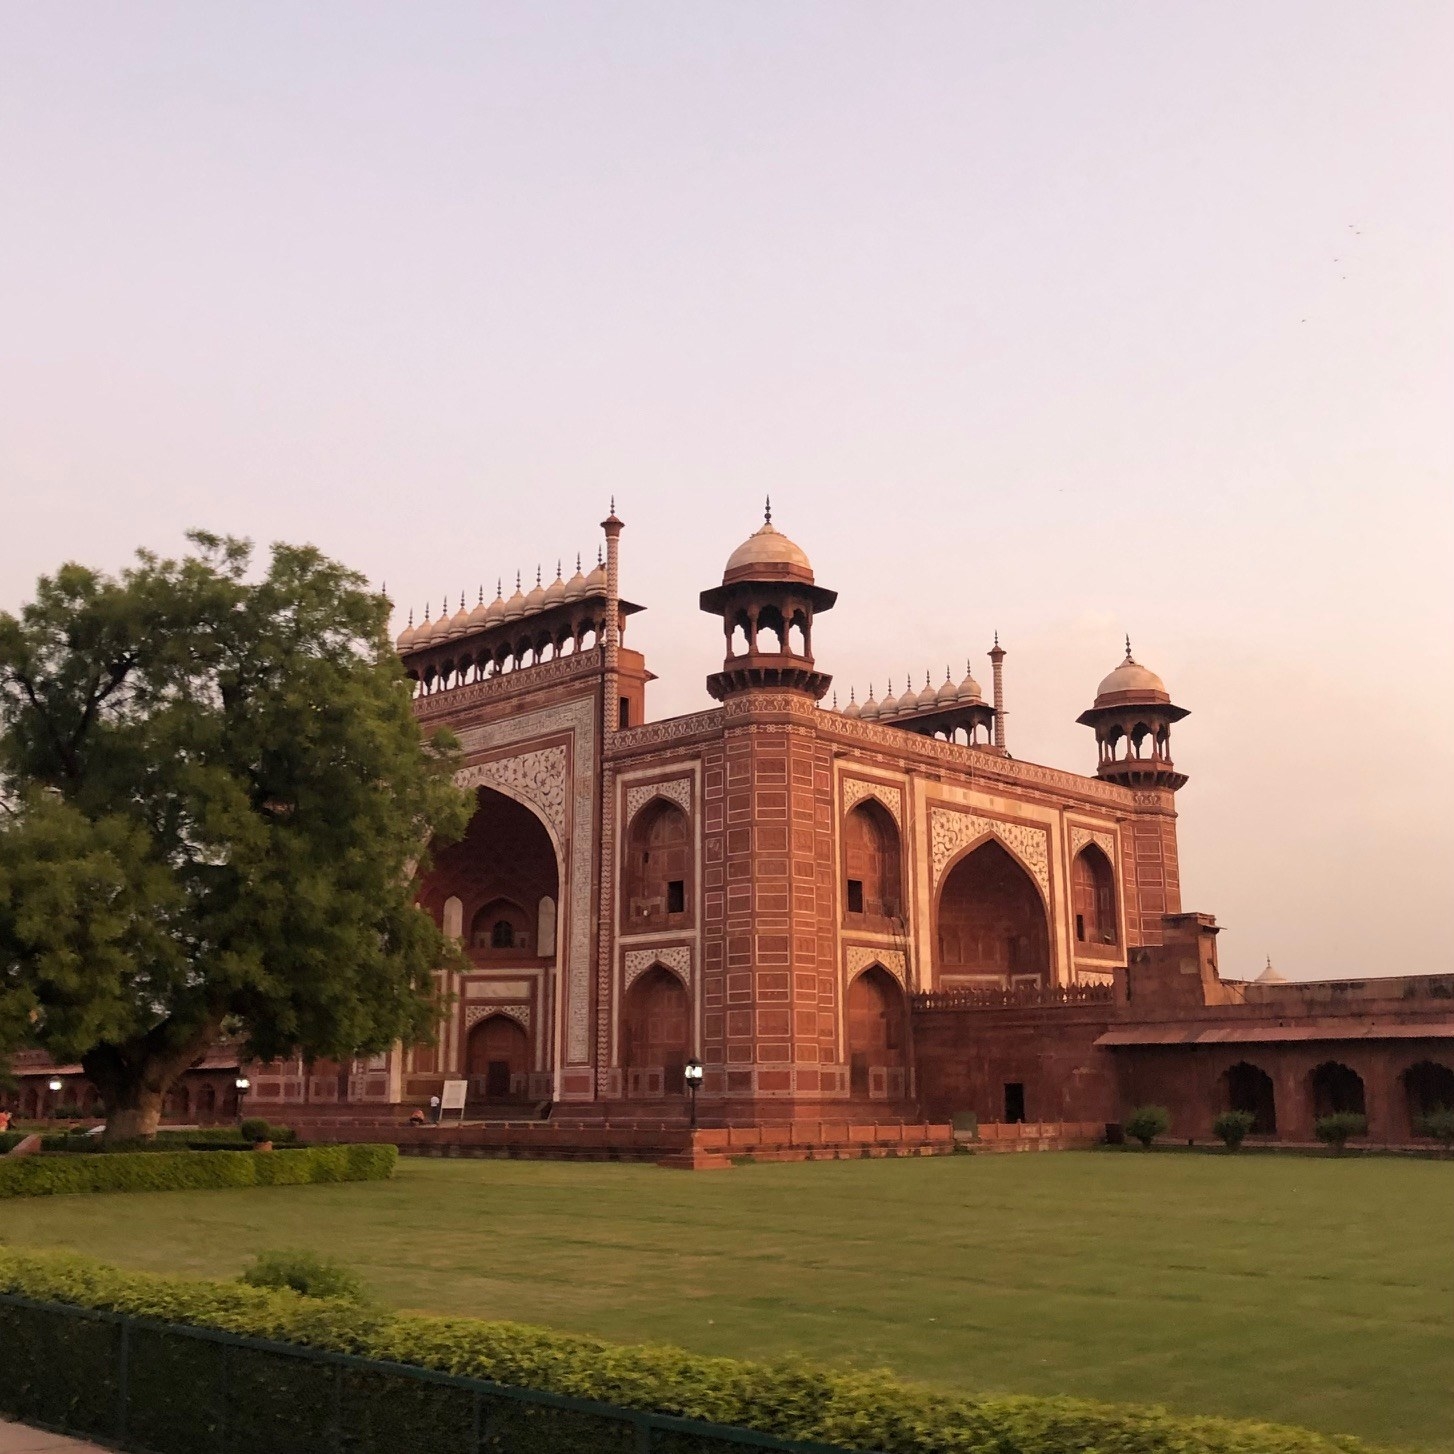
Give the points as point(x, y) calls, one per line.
point(213, 798)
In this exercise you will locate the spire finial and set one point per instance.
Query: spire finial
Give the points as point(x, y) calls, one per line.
point(517, 580)
point(835, 701)
point(411, 618)
point(557, 567)
point(578, 562)
point(767, 511)
point(613, 504)
point(997, 638)
point(1128, 646)
point(598, 555)
point(461, 600)
point(537, 577)
point(500, 587)
point(851, 697)
point(482, 593)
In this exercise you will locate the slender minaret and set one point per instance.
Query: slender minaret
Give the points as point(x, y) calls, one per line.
point(613, 528)
point(997, 660)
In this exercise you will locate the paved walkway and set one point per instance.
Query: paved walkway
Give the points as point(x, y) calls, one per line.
point(18, 1439)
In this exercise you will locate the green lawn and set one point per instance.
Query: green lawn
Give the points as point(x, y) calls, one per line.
point(1312, 1291)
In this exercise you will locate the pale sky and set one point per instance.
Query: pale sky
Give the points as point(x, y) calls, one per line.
point(1063, 320)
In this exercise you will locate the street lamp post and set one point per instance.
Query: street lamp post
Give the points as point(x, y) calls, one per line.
point(55, 1089)
point(693, 1073)
point(242, 1085)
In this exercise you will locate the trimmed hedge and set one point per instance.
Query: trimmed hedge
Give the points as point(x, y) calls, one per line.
point(789, 1400)
point(54, 1175)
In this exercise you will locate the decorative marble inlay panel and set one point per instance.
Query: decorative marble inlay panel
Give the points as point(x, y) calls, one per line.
point(575, 839)
point(1079, 837)
point(951, 829)
point(519, 1013)
point(678, 791)
point(674, 956)
point(860, 956)
point(856, 789)
point(523, 679)
point(537, 778)
point(674, 727)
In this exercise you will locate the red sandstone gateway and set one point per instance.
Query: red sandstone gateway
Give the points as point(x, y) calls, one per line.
point(853, 917)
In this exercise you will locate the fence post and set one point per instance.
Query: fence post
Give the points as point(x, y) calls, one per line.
point(123, 1381)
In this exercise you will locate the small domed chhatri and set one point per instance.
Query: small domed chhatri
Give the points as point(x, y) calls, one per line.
point(1131, 682)
point(768, 555)
point(1132, 717)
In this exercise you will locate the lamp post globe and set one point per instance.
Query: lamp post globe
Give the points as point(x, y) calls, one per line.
point(692, 1072)
point(242, 1085)
point(54, 1085)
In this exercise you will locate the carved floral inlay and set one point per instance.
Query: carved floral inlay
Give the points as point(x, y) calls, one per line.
point(678, 791)
point(860, 956)
point(673, 956)
point(1079, 837)
point(856, 789)
point(951, 829)
point(539, 778)
point(475, 1013)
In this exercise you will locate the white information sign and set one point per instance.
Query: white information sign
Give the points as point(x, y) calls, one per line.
point(454, 1097)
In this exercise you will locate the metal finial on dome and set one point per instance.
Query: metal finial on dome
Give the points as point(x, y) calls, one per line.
point(600, 560)
point(1128, 646)
point(499, 585)
point(767, 511)
point(835, 701)
point(850, 690)
point(537, 577)
point(411, 615)
point(482, 593)
point(557, 567)
point(613, 504)
point(578, 562)
point(517, 580)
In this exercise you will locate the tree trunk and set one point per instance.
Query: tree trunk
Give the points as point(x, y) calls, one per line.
point(133, 1079)
point(136, 1121)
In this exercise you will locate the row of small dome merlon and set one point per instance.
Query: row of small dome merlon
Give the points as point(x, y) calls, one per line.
point(931, 699)
point(465, 622)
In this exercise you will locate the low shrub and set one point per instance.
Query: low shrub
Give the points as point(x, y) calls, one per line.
point(788, 1400)
point(255, 1129)
point(306, 1273)
point(1146, 1123)
point(1232, 1127)
point(164, 1170)
point(1337, 1129)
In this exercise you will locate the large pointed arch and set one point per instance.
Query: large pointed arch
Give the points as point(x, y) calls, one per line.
point(991, 919)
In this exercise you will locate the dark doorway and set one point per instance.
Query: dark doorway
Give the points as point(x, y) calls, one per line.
point(1337, 1090)
point(1249, 1088)
point(497, 1079)
point(1014, 1100)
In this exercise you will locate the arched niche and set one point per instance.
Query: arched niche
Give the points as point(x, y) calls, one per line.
point(1428, 1087)
point(877, 1034)
point(656, 1034)
point(497, 1059)
point(501, 927)
point(1336, 1088)
point(1093, 898)
point(657, 869)
point(990, 922)
point(872, 863)
point(1249, 1088)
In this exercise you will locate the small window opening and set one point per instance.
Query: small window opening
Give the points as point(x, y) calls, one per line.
point(624, 712)
point(502, 935)
point(1080, 927)
point(1014, 1100)
point(855, 896)
point(676, 896)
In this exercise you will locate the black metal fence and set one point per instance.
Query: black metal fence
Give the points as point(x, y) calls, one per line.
point(162, 1388)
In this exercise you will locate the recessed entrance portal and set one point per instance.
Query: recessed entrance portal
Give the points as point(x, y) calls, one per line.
point(498, 1059)
point(875, 1035)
